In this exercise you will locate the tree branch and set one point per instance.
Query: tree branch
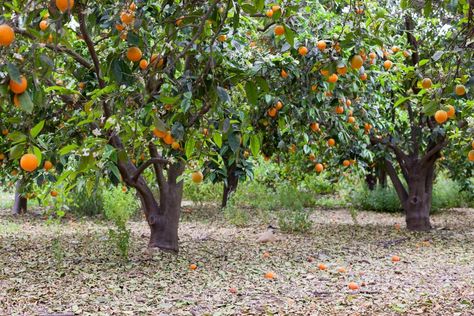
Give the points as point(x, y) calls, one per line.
point(73, 54)
point(160, 177)
point(152, 161)
point(433, 151)
point(401, 191)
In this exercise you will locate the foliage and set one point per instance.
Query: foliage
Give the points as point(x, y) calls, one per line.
point(294, 221)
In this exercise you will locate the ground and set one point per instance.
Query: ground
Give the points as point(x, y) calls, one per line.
point(46, 268)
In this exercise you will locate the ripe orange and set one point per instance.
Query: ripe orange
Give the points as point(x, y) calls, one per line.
point(64, 5)
point(346, 163)
point(451, 111)
point(426, 83)
point(29, 162)
point(470, 155)
point(222, 38)
point(5, 132)
point(143, 64)
point(272, 112)
point(158, 133)
point(193, 266)
point(406, 53)
point(266, 254)
point(312, 157)
point(353, 286)
point(321, 45)
point(441, 116)
point(276, 8)
point(395, 49)
point(197, 177)
point(322, 266)
point(363, 77)
point(348, 102)
point(175, 145)
point(319, 167)
point(43, 25)
point(357, 62)
point(54, 193)
point(339, 109)
point(342, 70)
point(324, 72)
point(133, 6)
point(302, 51)
point(233, 290)
point(460, 90)
point(2, 156)
point(332, 78)
point(81, 85)
point(397, 226)
point(134, 54)
point(7, 35)
point(279, 30)
point(284, 74)
point(387, 64)
point(19, 87)
point(372, 55)
point(179, 21)
point(314, 87)
point(395, 258)
point(48, 165)
point(341, 270)
point(331, 142)
point(119, 27)
point(351, 120)
point(269, 13)
point(314, 127)
point(168, 139)
point(126, 18)
point(279, 105)
point(270, 275)
point(16, 100)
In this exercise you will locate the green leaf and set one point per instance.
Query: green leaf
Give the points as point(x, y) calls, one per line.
point(37, 129)
point(290, 36)
point(255, 145)
point(234, 141)
point(16, 151)
point(17, 137)
point(67, 149)
point(423, 62)
point(251, 92)
point(169, 100)
point(430, 108)
point(404, 4)
point(26, 103)
point(428, 8)
point(223, 95)
point(217, 137)
point(400, 101)
point(38, 153)
point(189, 147)
point(259, 5)
point(437, 55)
point(13, 72)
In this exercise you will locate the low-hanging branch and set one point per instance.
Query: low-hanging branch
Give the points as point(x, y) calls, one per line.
point(146, 164)
point(433, 151)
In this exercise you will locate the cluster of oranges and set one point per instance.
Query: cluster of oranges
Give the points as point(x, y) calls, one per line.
point(273, 111)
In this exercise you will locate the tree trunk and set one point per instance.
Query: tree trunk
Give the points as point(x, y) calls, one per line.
point(371, 181)
point(163, 219)
point(382, 176)
point(21, 203)
point(230, 185)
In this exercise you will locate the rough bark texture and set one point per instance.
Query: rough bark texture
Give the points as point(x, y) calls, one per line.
point(21, 203)
point(230, 186)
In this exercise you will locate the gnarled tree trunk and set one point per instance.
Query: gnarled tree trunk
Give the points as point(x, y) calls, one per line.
point(20, 205)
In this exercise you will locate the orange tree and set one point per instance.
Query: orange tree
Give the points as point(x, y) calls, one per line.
point(144, 78)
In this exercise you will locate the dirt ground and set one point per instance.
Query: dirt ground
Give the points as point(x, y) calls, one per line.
point(72, 268)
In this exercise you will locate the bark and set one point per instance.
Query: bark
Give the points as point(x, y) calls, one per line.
point(230, 185)
point(21, 203)
point(371, 181)
point(382, 177)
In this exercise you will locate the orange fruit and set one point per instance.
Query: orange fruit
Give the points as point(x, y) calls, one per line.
point(339, 109)
point(7, 35)
point(341, 270)
point(284, 74)
point(395, 258)
point(175, 145)
point(441, 116)
point(5, 132)
point(331, 142)
point(233, 290)
point(321, 45)
point(406, 53)
point(387, 64)
point(372, 55)
point(197, 177)
point(348, 102)
point(16, 100)
point(272, 112)
point(134, 54)
point(270, 275)
point(395, 49)
point(48, 165)
point(124, 189)
point(276, 8)
point(81, 85)
point(319, 168)
point(269, 13)
point(314, 87)
point(266, 254)
point(119, 27)
point(158, 133)
point(342, 70)
point(353, 286)
point(314, 127)
point(43, 25)
point(126, 18)
point(470, 155)
point(29, 162)
point(332, 78)
point(279, 30)
point(460, 90)
point(397, 226)
point(312, 157)
point(193, 266)
point(64, 5)
point(351, 120)
point(357, 62)
point(324, 72)
point(322, 266)
point(19, 87)
point(222, 38)
point(54, 193)
point(168, 139)
point(302, 51)
point(451, 111)
point(143, 64)
point(346, 163)
point(133, 6)
point(363, 77)
point(279, 105)
point(426, 83)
